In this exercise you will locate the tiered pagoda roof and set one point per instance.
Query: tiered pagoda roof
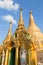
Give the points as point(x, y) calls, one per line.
point(20, 23)
point(9, 35)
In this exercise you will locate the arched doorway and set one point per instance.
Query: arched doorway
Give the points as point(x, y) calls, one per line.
point(12, 57)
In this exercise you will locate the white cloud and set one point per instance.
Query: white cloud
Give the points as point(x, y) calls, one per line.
point(9, 18)
point(9, 5)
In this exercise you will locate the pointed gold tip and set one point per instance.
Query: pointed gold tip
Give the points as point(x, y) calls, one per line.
point(20, 13)
point(10, 26)
point(21, 9)
point(31, 19)
point(31, 12)
point(10, 22)
point(21, 22)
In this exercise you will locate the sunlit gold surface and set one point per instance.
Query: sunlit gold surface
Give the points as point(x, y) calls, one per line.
point(32, 45)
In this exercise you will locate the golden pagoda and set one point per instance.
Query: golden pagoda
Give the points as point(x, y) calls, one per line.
point(22, 47)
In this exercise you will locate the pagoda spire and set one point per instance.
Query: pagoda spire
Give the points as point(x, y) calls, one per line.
point(21, 22)
point(9, 34)
point(31, 21)
point(21, 13)
point(21, 26)
point(10, 29)
point(32, 28)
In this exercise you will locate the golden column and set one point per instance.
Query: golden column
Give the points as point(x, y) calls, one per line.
point(36, 63)
point(33, 53)
point(16, 56)
point(29, 57)
point(3, 57)
point(7, 56)
point(33, 57)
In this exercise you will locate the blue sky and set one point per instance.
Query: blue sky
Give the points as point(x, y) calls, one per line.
point(12, 10)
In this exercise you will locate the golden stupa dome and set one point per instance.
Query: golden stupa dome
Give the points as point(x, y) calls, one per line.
point(33, 30)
